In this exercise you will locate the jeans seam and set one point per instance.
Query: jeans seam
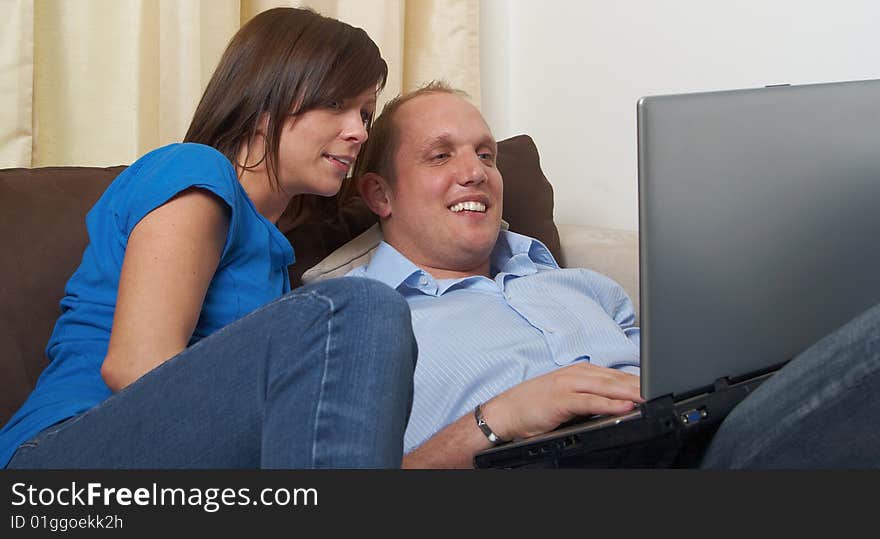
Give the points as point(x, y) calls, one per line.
point(51, 431)
point(318, 407)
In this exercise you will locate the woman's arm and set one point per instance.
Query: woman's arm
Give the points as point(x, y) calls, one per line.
point(171, 257)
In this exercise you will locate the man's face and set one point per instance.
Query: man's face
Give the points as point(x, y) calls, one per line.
point(446, 198)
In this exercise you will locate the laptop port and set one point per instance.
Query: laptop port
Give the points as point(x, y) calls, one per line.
point(694, 416)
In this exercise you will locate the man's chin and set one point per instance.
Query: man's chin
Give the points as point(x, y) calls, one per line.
point(485, 231)
point(486, 239)
point(478, 251)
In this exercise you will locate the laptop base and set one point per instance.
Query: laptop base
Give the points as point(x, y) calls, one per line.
point(662, 434)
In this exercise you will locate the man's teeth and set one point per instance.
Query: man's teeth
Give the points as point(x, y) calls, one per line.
point(469, 206)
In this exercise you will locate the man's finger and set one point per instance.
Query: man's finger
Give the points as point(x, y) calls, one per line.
point(586, 404)
point(608, 388)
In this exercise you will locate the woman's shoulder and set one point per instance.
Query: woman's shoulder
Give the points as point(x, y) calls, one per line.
point(180, 165)
point(163, 173)
point(187, 157)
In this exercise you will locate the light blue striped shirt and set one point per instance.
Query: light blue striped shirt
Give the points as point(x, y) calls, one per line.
point(478, 337)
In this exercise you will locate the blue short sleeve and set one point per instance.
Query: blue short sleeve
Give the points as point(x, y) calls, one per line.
point(166, 172)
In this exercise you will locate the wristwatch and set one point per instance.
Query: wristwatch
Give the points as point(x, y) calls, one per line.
point(481, 422)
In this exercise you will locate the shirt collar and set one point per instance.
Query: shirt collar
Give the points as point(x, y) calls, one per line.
point(390, 267)
point(519, 255)
point(513, 254)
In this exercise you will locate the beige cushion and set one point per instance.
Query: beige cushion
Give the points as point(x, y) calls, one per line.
point(356, 252)
point(614, 253)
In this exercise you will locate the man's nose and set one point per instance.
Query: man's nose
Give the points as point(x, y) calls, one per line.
point(472, 171)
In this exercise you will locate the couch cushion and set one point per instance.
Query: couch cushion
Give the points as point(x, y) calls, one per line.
point(42, 222)
point(614, 253)
point(528, 195)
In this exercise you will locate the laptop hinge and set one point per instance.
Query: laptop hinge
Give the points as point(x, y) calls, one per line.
point(659, 407)
point(721, 384)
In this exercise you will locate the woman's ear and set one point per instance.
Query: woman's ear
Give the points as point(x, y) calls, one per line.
point(252, 152)
point(263, 123)
point(376, 193)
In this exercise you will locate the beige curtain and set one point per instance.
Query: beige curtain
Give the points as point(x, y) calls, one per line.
point(101, 82)
point(16, 82)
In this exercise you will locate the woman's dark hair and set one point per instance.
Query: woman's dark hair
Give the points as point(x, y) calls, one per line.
point(283, 61)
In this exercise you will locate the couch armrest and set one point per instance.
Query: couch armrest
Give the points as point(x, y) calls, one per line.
point(614, 253)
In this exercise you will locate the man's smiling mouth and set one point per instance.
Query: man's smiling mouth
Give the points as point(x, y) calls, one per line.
point(468, 206)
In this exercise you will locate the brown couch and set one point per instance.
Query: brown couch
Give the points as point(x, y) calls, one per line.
point(42, 217)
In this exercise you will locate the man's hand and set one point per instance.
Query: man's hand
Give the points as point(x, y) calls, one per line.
point(532, 407)
point(543, 403)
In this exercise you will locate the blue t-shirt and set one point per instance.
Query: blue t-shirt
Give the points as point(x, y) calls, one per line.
point(252, 272)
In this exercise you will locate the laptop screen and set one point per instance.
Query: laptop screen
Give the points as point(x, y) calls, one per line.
point(759, 226)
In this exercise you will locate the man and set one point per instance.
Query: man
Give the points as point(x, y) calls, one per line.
point(501, 326)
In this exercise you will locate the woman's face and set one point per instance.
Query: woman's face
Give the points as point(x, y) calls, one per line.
point(318, 147)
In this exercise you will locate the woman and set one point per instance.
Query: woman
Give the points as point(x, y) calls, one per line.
point(157, 360)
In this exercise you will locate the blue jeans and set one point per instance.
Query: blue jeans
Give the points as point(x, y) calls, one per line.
point(320, 378)
point(819, 411)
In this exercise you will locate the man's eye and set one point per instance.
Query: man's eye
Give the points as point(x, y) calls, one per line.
point(439, 156)
point(486, 156)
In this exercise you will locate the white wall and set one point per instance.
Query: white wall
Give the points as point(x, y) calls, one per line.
point(569, 73)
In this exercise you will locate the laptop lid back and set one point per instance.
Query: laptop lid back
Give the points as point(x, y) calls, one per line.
point(759, 219)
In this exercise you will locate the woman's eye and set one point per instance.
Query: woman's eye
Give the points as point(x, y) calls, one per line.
point(366, 116)
point(334, 104)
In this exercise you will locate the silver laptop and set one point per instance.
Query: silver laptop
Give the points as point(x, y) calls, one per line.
point(759, 234)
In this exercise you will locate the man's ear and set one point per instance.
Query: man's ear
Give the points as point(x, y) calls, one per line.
point(376, 193)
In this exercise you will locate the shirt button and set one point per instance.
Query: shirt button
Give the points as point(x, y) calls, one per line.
point(423, 280)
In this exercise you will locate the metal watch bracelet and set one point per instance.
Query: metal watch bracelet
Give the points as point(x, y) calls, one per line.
point(481, 422)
